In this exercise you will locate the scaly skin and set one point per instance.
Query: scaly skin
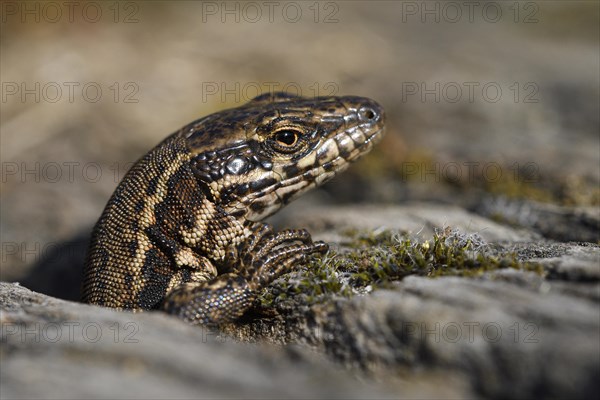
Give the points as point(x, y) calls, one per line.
point(181, 233)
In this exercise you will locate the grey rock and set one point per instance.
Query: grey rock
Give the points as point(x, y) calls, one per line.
point(510, 341)
point(579, 263)
point(420, 219)
point(57, 349)
point(551, 221)
point(507, 333)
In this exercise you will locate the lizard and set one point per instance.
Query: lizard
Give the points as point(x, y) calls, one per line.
point(183, 231)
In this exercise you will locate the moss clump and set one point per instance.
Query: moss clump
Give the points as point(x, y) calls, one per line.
point(315, 282)
point(448, 253)
point(369, 260)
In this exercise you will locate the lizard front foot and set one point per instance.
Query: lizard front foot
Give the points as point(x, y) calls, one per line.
point(263, 258)
point(268, 255)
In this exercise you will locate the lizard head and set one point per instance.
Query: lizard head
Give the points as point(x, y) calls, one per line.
point(254, 159)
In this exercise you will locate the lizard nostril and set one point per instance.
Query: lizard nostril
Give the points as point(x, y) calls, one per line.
point(367, 114)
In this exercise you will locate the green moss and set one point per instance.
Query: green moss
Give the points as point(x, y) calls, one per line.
point(370, 260)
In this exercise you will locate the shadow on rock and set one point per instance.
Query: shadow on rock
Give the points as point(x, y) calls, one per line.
point(59, 273)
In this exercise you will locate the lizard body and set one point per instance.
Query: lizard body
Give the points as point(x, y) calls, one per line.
point(181, 232)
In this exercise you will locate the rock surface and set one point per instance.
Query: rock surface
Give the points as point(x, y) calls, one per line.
point(505, 333)
point(58, 349)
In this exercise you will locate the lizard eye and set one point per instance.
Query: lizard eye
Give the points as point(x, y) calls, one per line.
point(286, 140)
point(287, 137)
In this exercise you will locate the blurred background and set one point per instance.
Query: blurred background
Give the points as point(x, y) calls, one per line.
point(485, 100)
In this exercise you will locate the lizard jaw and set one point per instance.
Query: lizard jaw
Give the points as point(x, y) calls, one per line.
point(333, 161)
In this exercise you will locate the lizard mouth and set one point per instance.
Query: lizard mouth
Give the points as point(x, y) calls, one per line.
point(337, 162)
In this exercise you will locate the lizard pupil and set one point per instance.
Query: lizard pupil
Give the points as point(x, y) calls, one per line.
point(287, 138)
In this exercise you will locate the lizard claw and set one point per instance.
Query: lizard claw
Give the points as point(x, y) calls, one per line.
point(274, 254)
